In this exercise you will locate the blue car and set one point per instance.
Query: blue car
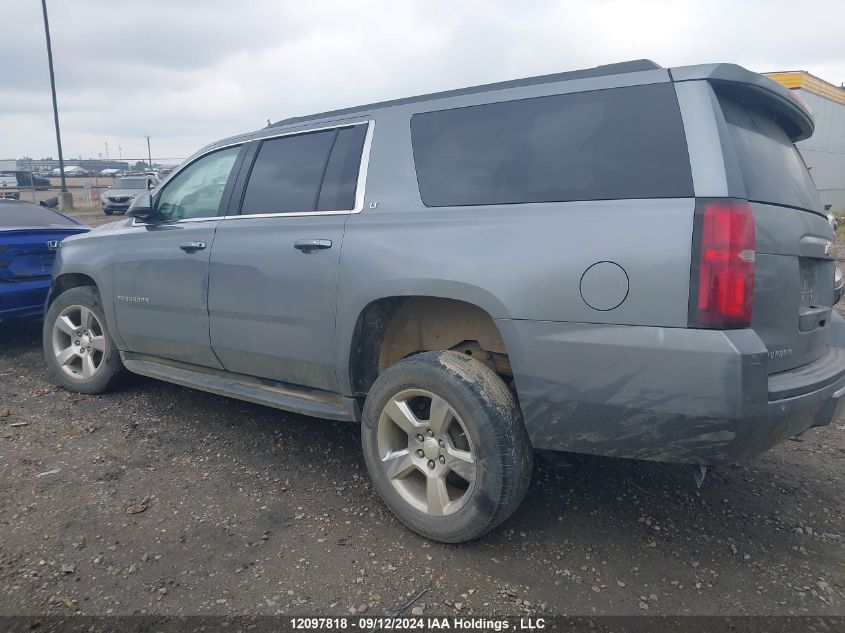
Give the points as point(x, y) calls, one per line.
point(29, 237)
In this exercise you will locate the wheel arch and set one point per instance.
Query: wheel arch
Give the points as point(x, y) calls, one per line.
point(390, 328)
point(66, 281)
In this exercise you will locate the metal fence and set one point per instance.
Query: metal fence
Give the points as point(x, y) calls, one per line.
point(35, 181)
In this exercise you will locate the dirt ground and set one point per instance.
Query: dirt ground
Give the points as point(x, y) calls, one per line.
point(157, 499)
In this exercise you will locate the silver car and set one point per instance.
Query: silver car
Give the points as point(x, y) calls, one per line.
point(628, 260)
point(118, 197)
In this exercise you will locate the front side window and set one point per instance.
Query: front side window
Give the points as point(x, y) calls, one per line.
point(600, 145)
point(196, 191)
point(315, 171)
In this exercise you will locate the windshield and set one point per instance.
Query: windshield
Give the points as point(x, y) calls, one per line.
point(130, 183)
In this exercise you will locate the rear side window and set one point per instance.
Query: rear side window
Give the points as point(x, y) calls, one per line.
point(606, 144)
point(772, 168)
point(341, 179)
point(306, 172)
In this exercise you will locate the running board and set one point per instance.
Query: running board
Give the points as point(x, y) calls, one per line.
point(313, 402)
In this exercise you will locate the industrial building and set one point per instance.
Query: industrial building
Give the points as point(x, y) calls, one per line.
point(824, 152)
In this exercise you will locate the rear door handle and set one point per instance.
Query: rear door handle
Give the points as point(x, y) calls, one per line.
point(309, 246)
point(192, 247)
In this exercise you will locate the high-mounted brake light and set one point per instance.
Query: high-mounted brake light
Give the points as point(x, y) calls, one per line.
point(722, 281)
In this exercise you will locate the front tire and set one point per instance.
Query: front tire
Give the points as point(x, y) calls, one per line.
point(80, 353)
point(445, 446)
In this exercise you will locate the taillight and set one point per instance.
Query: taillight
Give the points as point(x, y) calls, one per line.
point(722, 280)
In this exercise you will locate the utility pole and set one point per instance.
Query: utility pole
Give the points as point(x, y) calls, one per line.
point(120, 152)
point(65, 198)
point(107, 150)
point(149, 154)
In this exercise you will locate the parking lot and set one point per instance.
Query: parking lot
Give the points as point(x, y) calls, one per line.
point(161, 500)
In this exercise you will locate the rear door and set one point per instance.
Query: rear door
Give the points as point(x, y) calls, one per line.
point(794, 266)
point(274, 265)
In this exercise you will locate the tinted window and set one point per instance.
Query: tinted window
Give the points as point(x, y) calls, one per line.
point(287, 173)
point(341, 179)
point(196, 191)
point(605, 144)
point(772, 168)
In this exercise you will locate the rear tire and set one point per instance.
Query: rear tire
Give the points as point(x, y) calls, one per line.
point(472, 467)
point(79, 351)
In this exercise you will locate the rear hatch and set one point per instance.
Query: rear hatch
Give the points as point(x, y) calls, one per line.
point(794, 266)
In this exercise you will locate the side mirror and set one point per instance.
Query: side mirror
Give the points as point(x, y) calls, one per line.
point(141, 207)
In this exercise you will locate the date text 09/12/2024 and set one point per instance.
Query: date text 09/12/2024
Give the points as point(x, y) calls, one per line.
point(419, 623)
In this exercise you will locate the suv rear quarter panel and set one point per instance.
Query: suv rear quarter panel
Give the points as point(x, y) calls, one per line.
point(518, 262)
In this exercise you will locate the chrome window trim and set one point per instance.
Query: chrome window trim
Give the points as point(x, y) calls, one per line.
point(290, 214)
point(217, 218)
point(359, 188)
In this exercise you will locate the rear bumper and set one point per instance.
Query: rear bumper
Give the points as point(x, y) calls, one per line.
point(23, 299)
point(665, 394)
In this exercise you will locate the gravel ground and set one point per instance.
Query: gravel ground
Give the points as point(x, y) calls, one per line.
point(157, 499)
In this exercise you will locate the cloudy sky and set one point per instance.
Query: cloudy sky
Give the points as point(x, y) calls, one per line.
point(188, 72)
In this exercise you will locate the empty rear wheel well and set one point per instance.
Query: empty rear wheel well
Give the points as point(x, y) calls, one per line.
point(394, 328)
point(65, 282)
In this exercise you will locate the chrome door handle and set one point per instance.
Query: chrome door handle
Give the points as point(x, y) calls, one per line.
point(309, 246)
point(192, 247)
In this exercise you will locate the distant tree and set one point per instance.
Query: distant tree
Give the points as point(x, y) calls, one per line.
point(141, 165)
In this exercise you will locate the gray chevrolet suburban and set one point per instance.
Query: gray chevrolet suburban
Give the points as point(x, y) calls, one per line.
point(628, 260)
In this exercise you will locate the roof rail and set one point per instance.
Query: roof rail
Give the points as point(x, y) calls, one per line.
point(637, 65)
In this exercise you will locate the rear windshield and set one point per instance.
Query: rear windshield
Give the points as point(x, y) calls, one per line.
point(599, 145)
point(15, 214)
point(771, 166)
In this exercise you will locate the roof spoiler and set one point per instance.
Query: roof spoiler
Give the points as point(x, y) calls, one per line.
point(791, 113)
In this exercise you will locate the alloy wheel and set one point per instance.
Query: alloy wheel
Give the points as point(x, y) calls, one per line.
point(79, 342)
point(426, 452)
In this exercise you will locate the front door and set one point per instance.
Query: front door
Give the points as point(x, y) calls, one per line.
point(274, 266)
point(161, 269)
